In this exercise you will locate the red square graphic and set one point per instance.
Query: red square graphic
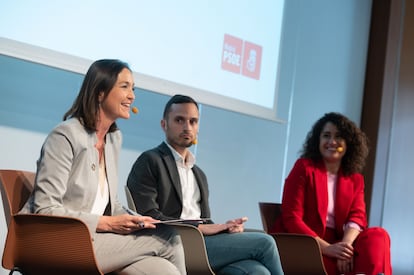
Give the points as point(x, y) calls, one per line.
point(231, 59)
point(252, 60)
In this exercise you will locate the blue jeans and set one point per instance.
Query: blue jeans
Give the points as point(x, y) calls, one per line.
point(243, 253)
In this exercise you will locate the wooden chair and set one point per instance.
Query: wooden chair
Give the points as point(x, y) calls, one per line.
point(299, 254)
point(196, 259)
point(42, 244)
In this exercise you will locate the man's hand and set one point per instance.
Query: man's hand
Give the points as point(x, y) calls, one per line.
point(236, 225)
point(211, 229)
point(232, 226)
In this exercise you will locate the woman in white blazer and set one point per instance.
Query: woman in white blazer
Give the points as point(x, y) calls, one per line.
point(77, 176)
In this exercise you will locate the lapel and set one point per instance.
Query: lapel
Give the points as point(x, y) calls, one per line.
point(172, 170)
point(321, 191)
point(344, 191)
point(200, 182)
point(111, 168)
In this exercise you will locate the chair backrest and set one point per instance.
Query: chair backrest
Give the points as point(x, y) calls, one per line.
point(16, 187)
point(299, 254)
point(196, 259)
point(130, 200)
point(269, 213)
point(42, 244)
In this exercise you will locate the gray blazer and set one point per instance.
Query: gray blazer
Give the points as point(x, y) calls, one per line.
point(67, 173)
point(155, 185)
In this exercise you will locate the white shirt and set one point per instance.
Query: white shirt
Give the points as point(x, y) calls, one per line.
point(189, 186)
point(330, 218)
point(102, 192)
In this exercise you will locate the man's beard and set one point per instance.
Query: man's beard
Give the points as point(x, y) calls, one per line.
point(188, 144)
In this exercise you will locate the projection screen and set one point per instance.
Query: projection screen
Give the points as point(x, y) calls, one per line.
point(224, 53)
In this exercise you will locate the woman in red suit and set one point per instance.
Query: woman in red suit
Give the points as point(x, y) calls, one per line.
point(324, 197)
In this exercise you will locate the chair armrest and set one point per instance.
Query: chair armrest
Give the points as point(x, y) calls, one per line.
point(47, 244)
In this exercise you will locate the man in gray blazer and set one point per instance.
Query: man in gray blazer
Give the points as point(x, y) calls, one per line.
point(166, 184)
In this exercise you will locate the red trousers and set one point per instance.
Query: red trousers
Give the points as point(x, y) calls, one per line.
point(371, 253)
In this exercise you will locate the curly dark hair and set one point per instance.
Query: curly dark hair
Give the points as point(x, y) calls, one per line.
point(355, 139)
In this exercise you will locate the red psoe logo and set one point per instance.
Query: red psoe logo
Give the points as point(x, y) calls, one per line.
point(252, 60)
point(231, 59)
point(241, 57)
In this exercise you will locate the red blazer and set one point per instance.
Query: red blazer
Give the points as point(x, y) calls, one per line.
point(305, 200)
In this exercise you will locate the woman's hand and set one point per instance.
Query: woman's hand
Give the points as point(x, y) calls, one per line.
point(340, 250)
point(345, 266)
point(124, 224)
point(232, 226)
